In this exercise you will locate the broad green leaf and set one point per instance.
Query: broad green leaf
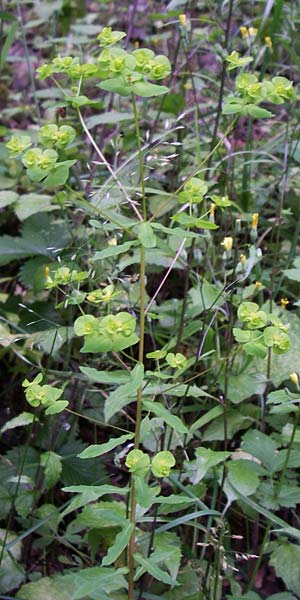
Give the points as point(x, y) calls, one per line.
point(30, 204)
point(243, 474)
point(146, 235)
point(205, 460)
point(116, 85)
point(261, 446)
point(101, 514)
point(24, 418)
point(150, 567)
point(147, 89)
point(11, 572)
point(8, 197)
point(235, 421)
point(99, 449)
point(114, 250)
point(108, 118)
point(120, 543)
point(257, 112)
point(57, 407)
point(53, 467)
point(124, 394)
point(285, 559)
point(109, 377)
point(98, 580)
point(293, 274)
point(58, 176)
point(171, 420)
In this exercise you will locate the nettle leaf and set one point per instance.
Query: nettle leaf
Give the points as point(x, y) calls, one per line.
point(160, 411)
point(285, 559)
point(120, 543)
point(124, 394)
point(99, 449)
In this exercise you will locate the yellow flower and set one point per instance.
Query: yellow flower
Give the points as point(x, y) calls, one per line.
point(284, 302)
point(182, 20)
point(188, 86)
point(212, 211)
point(243, 258)
point(258, 285)
point(227, 243)
point(294, 378)
point(268, 41)
point(252, 31)
point(112, 241)
point(255, 221)
point(244, 32)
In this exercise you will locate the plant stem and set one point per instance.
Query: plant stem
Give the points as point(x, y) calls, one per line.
point(140, 356)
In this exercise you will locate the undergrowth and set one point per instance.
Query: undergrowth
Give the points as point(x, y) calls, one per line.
point(150, 301)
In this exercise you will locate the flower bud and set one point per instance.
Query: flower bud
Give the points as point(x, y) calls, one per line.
point(294, 378)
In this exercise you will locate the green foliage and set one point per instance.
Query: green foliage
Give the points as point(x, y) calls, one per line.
point(167, 239)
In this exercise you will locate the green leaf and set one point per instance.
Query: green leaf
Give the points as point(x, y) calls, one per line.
point(146, 235)
point(261, 446)
point(30, 204)
point(8, 197)
point(285, 559)
point(243, 475)
point(117, 85)
point(124, 394)
point(147, 89)
point(11, 572)
point(109, 377)
point(58, 176)
point(57, 407)
point(114, 250)
point(24, 418)
point(99, 449)
point(171, 420)
point(150, 567)
point(293, 274)
point(108, 118)
point(257, 112)
point(205, 460)
point(53, 467)
point(120, 543)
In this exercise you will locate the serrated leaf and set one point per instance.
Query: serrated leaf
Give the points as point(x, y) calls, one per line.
point(99, 449)
point(120, 543)
point(171, 420)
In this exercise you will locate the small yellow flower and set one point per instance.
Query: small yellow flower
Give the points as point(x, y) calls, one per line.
point(227, 243)
point(284, 302)
point(268, 41)
point(182, 20)
point(188, 86)
point(244, 32)
point(252, 31)
point(258, 285)
point(255, 217)
point(294, 378)
point(112, 242)
point(212, 211)
point(243, 258)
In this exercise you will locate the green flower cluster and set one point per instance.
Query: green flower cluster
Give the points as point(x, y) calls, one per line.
point(193, 191)
point(250, 92)
point(45, 396)
point(63, 276)
point(106, 334)
point(262, 331)
point(43, 164)
point(124, 72)
point(138, 463)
